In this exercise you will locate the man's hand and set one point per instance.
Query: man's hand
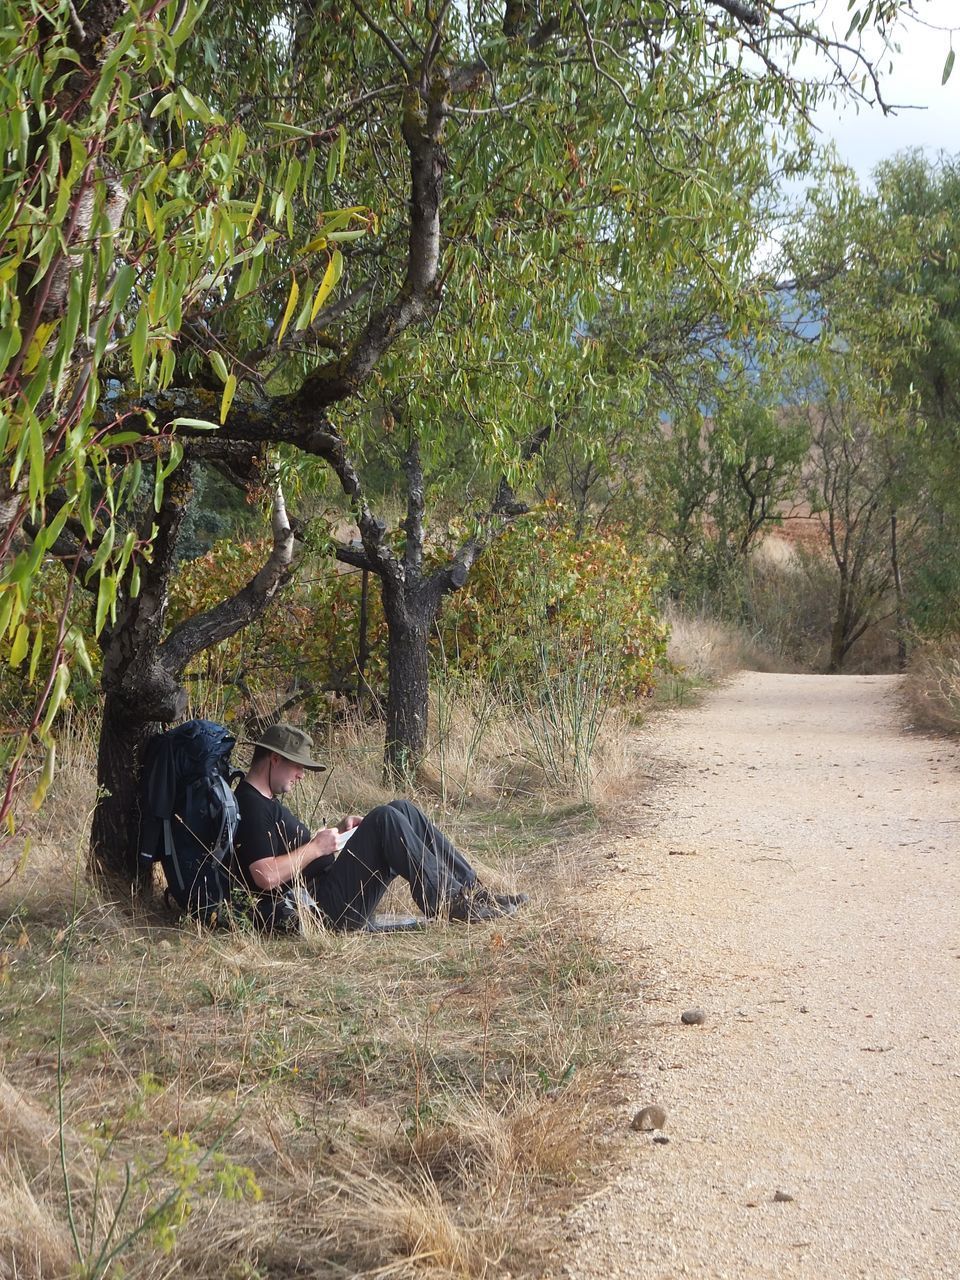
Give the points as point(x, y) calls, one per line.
point(324, 842)
point(353, 820)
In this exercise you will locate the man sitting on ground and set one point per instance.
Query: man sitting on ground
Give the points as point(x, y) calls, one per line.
point(275, 851)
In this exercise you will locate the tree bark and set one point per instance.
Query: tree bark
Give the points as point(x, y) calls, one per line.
point(840, 629)
point(411, 602)
point(116, 818)
point(901, 613)
point(138, 695)
point(408, 689)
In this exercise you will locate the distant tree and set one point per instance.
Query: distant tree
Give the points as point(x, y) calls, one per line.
point(923, 197)
point(878, 267)
point(859, 486)
point(714, 484)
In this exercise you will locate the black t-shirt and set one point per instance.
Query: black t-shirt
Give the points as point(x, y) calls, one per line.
point(266, 829)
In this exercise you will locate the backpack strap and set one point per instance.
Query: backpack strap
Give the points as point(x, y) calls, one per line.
point(229, 816)
point(170, 849)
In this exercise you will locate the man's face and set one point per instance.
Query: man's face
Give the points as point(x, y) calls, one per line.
point(284, 775)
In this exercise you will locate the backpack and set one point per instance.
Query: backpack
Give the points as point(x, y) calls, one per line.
point(188, 816)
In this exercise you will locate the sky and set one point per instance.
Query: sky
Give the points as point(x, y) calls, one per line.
point(865, 136)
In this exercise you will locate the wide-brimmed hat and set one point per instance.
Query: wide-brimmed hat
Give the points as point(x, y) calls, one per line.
point(291, 743)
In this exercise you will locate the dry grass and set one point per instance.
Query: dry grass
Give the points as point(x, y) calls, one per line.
point(705, 649)
point(403, 1105)
point(932, 687)
point(482, 758)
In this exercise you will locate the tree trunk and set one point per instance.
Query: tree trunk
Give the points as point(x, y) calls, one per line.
point(411, 602)
point(363, 641)
point(138, 693)
point(840, 630)
point(140, 698)
point(901, 618)
point(408, 688)
point(116, 819)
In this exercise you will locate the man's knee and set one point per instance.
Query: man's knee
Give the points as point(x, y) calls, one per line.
point(385, 817)
point(405, 807)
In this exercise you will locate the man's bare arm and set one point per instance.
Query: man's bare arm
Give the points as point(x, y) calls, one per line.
point(271, 873)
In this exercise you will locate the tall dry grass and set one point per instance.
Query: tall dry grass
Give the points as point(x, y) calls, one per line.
point(401, 1105)
point(932, 686)
point(705, 649)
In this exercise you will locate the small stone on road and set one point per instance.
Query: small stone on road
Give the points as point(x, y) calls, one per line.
point(693, 1017)
point(652, 1117)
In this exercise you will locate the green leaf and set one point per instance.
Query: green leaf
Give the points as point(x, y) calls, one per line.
point(126, 552)
point(257, 205)
point(7, 601)
point(303, 317)
point(37, 458)
point(226, 399)
point(219, 365)
point(21, 641)
point(61, 682)
point(199, 424)
point(118, 438)
point(46, 777)
point(948, 66)
point(55, 528)
point(35, 350)
point(68, 334)
point(103, 551)
point(294, 130)
point(108, 75)
point(122, 285)
point(288, 312)
point(106, 595)
point(75, 643)
point(35, 655)
point(164, 469)
point(138, 343)
point(194, 105)
point(9, 344)
point(165, 102)
point(330, 278)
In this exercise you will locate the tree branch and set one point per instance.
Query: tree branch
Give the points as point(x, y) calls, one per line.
point(349, 553)
point(422, 128)
point(229, 616)
point(745, 13)
point(385, 37)
point(416, 504)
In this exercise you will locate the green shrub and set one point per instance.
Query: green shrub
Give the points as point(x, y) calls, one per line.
point(538, 596)
point(540, 585)
point(309, 635)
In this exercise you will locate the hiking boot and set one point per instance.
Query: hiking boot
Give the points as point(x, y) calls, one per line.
point(477, 906)
point(512, 900)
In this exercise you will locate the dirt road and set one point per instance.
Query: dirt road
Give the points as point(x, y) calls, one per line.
point(794, 872)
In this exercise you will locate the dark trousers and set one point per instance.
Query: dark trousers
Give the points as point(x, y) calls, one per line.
point(395, 839)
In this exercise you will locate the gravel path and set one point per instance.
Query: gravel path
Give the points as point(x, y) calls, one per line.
point(795, 875)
